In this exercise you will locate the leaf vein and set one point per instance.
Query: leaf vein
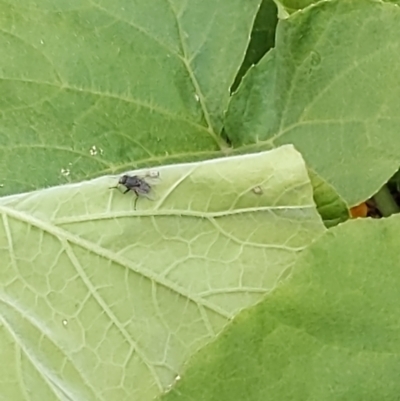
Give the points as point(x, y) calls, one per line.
point(75, 262)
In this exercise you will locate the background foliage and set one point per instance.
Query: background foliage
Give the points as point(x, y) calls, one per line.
point(102, 301)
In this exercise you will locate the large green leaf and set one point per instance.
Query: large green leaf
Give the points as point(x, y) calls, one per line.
point(100, 301)
point(330, 332)
point(91, 87)
point(329, 87)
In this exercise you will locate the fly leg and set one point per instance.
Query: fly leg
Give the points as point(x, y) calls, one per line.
point(137, 197)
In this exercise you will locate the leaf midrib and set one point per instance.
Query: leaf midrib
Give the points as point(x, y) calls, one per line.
point(62, 234)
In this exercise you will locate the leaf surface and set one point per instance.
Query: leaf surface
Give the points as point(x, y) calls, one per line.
point(330, 205)
point(330, 87)
point(92, 87)
point(100, 301)
point(330, 332)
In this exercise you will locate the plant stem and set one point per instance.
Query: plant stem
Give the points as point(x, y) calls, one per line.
point(385, 203)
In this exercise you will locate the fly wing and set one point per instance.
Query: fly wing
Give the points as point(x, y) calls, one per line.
point(148, 180)
point(152, 177)
point(143, 188)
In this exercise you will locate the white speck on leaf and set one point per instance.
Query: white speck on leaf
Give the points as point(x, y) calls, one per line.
point(257, 190)
point(65, 172)
point(65, 322)
point(93, 151)
point(196, 96)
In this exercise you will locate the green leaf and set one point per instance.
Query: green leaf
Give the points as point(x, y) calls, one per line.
point(330, 332)
point(330, 88)
point(100, 301)
point(330, 205)
point(95, 87)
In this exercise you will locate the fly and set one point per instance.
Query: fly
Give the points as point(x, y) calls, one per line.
point(135, 184)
